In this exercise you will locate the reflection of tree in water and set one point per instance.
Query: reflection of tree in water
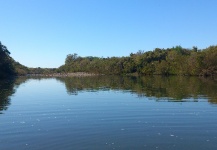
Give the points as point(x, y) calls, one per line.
point(173, 88)
point(7, 89)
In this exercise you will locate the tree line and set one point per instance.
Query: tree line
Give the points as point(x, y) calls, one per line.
point(9, 67)
point(170, 61)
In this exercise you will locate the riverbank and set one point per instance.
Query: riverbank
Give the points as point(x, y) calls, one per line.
point(75, 74)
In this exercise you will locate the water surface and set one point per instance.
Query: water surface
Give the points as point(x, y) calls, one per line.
point(109, 113)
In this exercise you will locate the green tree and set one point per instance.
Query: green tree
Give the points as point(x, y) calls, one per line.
point(6, 63)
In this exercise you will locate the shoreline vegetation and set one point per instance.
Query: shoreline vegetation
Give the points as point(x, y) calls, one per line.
point(171, 61)
point(75, 74)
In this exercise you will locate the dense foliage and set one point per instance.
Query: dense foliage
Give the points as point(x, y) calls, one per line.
point(9, 67)
point(6, 65)
point(171, 61)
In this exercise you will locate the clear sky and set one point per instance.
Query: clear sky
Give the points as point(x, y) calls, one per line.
point(40, 33)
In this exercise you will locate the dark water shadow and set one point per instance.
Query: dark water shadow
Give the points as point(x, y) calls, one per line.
point(7, 89)
point(159, 88)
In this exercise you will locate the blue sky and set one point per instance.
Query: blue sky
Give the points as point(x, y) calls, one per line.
point(40, 33)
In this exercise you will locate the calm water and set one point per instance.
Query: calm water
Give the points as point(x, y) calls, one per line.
point(106, 113)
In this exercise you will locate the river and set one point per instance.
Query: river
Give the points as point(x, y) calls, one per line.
point(108, 112)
